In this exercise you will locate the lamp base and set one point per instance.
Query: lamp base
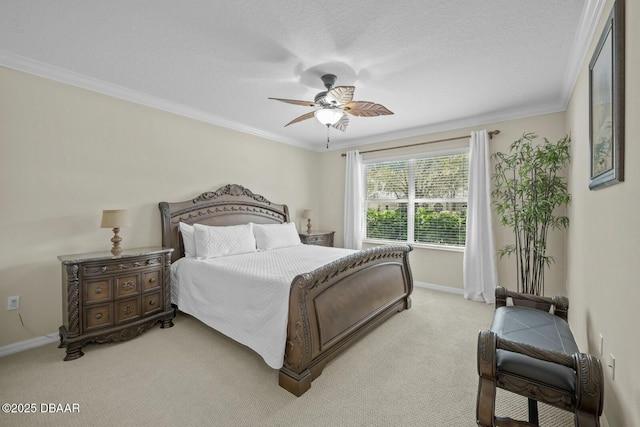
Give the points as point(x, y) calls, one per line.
point(308, 226)
point(116, 250)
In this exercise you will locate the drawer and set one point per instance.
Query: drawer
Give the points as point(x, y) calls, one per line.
point(127, 309)
point(151, 303)
point(110, 267)
point(329, 241)
point(127, 286)
point(150, 280)
point(97, 290)
point(321, 240)
point(98, 316)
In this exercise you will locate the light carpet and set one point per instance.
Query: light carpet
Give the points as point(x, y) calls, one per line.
point(416, 369)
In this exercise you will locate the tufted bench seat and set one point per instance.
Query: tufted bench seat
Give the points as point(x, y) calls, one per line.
point(530, 350)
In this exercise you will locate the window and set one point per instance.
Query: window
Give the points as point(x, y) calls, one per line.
point(420, 200)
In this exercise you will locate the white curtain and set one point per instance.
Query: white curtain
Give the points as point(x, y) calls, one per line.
point(353, 199)
point(480, 270)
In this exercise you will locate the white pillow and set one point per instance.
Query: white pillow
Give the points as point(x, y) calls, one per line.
point(214, 242)
point(274, 236)
point(188, 240)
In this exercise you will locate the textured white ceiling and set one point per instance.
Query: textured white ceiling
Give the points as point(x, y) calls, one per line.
point(437, 64)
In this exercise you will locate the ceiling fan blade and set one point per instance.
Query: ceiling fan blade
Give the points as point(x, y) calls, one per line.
point(301, 118)
point(342, 124)
point(297, 102)
point(365, 109)
point(340, 95)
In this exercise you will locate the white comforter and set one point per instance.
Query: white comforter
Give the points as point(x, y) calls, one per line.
point(246, 297)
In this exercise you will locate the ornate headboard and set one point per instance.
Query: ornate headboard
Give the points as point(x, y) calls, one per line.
point(229, 205)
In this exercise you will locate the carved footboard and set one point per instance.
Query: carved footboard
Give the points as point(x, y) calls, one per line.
point(335, 305)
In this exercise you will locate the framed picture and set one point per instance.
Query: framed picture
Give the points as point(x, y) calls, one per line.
point(606, 103)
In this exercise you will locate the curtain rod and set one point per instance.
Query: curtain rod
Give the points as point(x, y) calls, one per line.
point(491, 134)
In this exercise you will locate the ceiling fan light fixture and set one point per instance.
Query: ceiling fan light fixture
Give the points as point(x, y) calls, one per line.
point(328, 116)
point(335, 105)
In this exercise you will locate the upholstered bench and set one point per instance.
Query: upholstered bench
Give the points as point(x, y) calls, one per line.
point(530, 350)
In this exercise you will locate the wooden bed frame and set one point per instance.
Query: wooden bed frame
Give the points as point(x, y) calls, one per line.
point(330, 307)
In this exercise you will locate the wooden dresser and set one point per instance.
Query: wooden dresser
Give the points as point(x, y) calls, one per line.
point(319, 238)
point(112, 299)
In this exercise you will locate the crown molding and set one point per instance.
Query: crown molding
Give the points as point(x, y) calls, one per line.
point(50, 72)
point(587, 26)
point(467, 122)
point(41, 69)
point(591, 15)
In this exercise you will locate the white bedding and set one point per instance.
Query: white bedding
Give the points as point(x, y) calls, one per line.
point(246, 297)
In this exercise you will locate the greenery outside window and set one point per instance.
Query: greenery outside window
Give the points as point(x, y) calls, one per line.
point(419, 200)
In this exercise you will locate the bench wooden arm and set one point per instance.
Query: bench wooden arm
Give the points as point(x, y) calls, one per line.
point(589, 392)
point(559, 303)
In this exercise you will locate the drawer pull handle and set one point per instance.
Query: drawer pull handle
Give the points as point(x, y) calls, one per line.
point(99, 316)
point(152, 280)
point(98, 290)
point(136, 264)
point(103, 268)
point(128, 285)
point(152, 302)
point(122, 266)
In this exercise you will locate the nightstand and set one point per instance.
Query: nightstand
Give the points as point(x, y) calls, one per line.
point(319, 238)
point(113, 299)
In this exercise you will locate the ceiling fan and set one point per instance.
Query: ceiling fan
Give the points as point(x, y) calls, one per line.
point(333, 104)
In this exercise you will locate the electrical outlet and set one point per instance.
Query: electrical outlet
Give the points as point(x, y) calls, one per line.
point(612, 365)
point(601, 346)
point(13, 303)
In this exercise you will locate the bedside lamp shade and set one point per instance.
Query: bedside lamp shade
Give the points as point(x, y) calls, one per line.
point(115, 218)
point(306, 214)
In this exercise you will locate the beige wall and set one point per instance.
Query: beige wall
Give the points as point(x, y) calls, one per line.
point(66, 154)
point(69, 153)
point(442, 267)
point(603, 240)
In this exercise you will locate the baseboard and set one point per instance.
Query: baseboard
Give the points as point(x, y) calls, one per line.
point(440, 288)
point(54, 336)
point(28, 344)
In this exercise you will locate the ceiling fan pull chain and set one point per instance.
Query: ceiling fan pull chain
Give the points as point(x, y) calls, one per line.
point(327, 137)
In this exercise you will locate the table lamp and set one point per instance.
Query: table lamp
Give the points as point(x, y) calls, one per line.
point(115, 218)
point(306, 214)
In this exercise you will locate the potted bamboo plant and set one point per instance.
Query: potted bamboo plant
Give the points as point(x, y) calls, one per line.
point(529, 186)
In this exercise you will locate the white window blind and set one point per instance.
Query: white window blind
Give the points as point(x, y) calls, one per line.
point(418, 200)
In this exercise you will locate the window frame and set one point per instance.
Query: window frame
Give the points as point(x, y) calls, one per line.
point(411, 200)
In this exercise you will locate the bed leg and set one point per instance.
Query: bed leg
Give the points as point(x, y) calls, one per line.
point(296, 384)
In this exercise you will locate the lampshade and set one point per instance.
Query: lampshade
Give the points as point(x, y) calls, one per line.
point(328, 116)
point(114, 218)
